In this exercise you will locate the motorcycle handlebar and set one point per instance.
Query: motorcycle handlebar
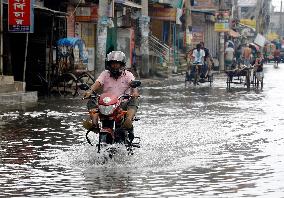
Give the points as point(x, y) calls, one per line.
point(197, 63)
point(95, 95)
point(125, 96)
point(92, 95)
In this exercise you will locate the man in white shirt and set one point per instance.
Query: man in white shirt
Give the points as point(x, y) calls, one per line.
point(198, 55)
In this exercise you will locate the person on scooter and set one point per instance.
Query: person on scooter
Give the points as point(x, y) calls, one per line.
point(116, 80)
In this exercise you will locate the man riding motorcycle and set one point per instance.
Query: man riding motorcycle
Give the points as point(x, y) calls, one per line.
point(116, 80)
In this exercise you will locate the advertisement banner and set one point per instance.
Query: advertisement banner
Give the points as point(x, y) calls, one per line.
point(203, 4)
point(260, 40)
point(222, 23)
point(20, 16)
point(272, 36)
point(248, 22)
point(247, 3)
point(87, 14)
point(197, 35)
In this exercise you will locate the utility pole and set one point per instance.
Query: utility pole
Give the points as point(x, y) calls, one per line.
point(1, 38)
point(101, 37)
point(236, 10)
point(188, 25)
point(258, 16)
point(281, 20)
point(144, 48)
point(221, 42)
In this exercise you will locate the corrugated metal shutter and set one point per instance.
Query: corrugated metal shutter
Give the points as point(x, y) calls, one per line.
point(211, 39)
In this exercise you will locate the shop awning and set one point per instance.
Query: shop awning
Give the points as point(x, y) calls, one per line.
point(129, 3)
point(233, 33)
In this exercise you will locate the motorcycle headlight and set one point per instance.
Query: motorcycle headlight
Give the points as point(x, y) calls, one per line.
point(106, 110)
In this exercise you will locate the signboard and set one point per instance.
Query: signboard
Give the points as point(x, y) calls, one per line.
point(260, 40)
point(203, 4)
point(197, 35)
point(248, 22)
point(87, 14)
point(20, 16)
point(222, 23)
point(247, 3)
point(272, 36)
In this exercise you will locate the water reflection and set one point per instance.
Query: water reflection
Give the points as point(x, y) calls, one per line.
point(196, 141)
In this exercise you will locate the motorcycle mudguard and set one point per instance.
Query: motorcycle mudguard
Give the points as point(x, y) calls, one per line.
point(109, 135)
point(88, 140)
point(120, 135)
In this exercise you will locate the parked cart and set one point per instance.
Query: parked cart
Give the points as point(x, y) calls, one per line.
point(239, 76)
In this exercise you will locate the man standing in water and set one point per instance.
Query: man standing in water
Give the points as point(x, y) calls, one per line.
point(247, 55)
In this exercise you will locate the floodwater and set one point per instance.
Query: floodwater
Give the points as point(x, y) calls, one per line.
point(195, 142)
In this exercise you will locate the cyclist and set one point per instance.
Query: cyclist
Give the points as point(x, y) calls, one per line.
point(198, 55)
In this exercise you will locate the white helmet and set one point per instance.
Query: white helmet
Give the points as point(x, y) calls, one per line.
point(116, 56)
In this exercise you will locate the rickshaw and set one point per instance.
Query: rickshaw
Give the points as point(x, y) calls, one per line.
point(70, 70)
point(239, 75)
point(197, 72)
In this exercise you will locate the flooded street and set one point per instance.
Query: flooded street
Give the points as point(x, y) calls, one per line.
point(195, 142)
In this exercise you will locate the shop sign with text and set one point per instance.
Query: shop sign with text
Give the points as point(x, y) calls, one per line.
point(222, 23)
point(20, 16)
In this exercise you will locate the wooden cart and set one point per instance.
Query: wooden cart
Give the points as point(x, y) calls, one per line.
point(239, 76)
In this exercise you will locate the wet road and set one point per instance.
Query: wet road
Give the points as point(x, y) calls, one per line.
point(196, 142)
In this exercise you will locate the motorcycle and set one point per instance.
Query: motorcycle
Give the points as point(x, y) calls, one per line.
point(111, 117)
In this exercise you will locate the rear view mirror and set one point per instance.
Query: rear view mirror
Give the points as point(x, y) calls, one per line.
point(135, 83)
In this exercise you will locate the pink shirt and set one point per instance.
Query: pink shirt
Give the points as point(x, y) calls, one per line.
point(117, 87)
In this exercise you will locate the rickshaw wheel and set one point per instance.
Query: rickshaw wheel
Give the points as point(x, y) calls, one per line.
point(86, 78)
point(68, 85)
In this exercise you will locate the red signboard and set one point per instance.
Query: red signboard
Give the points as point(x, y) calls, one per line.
point(20, 17)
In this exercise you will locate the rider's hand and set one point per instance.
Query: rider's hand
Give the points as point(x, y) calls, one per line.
point(87, 94)
point(135, 94)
